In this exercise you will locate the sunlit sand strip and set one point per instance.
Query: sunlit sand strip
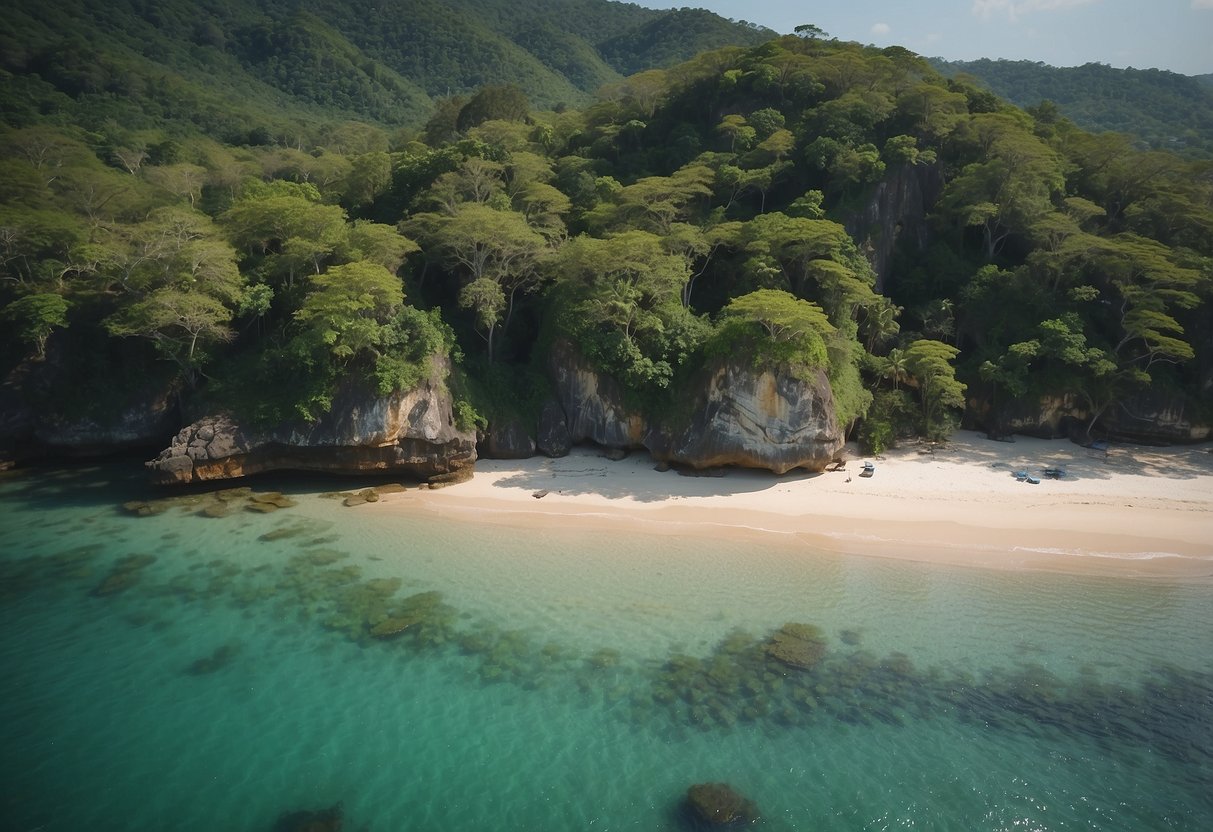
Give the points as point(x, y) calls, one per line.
point(1141, 512)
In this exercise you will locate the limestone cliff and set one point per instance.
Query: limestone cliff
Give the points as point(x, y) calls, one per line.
point(755, 418)
point(737, 415)
point(895, 210)
point(43, 414)
point(1150, 418)
point(410, 432)
point(593, 402)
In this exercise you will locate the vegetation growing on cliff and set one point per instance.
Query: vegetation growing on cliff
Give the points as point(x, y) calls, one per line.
point(683, 215)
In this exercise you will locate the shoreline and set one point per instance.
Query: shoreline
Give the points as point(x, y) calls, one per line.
point(1140, 512)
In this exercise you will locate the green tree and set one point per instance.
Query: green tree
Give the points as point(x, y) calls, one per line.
point(349, 309)
point(35, 317)
point(776, 326)
point(625, 308)
point(495, 101)
point(181, 325)
point(487, 244)
point(930, 364)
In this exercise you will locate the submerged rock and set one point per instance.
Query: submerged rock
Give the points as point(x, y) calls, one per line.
point(219, 659)
point(272, 498)
point(125, 574)
point(307, 820)
point(797, 645)
point(394, 626)
point(716, 805)
point(412, 432)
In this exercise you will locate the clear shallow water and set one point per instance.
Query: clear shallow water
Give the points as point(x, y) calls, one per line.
point(564, 680)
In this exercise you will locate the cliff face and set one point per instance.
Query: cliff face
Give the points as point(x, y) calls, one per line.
point(410, 432)
point(593, 403)
point(1157, 418)
point(739, 415)
point(897, 209)
point(139, 418)
point(756, 419)
point(1152, 419)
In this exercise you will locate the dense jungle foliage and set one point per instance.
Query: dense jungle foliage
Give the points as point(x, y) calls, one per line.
point(685, 216)
point(279, 71)
point(1165, 110)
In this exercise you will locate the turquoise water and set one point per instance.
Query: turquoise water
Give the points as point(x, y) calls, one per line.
point(180, 671)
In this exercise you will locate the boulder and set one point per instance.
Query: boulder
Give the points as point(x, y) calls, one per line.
point(553, 439)
point(754, 418)
point(506, 439)
point(719, 805)
point(738, 415)
point(410, 432)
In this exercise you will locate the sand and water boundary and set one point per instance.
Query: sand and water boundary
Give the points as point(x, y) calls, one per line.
point(1136, 511)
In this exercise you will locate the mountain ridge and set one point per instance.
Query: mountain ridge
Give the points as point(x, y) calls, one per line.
point(1164, 109)
point(295, 60)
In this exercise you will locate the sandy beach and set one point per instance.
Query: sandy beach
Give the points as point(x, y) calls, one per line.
point(1138, 511)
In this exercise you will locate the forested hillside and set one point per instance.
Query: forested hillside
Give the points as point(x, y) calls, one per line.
point(685, 217)
point(235, 68)
point(1166, 110)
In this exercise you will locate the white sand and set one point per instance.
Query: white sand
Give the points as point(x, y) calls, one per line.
point(1141, 511)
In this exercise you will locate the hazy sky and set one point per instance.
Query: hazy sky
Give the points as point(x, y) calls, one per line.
point(1167, 34)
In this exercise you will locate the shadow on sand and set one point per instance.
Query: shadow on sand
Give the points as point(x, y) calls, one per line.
point(587, 472)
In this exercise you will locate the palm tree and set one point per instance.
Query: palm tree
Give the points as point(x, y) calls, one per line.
point(881, 323)
point(894, 366)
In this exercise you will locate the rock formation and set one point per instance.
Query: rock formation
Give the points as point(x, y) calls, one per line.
point(738, 415)
point(506, 439)
point(755, 418)
point(897, 210)
point(411, 432)
point(553, 436)
point(1149, 418)
point(593, 403)
point(718, 805)
point(145, 418)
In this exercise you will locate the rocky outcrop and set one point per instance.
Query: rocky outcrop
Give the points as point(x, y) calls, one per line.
point(506, 439)
point(737, 415)
point(553, 436)
point(136, 426)
point(1051, 417)
point(755, 418)
point(896, 210)
point(593, 403)
point(1151, 418)
point(1157, 418)
point(144, 419)
point(719, 806)
point(411, 432)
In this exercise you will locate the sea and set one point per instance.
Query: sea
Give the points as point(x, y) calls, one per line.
point(261, 656)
